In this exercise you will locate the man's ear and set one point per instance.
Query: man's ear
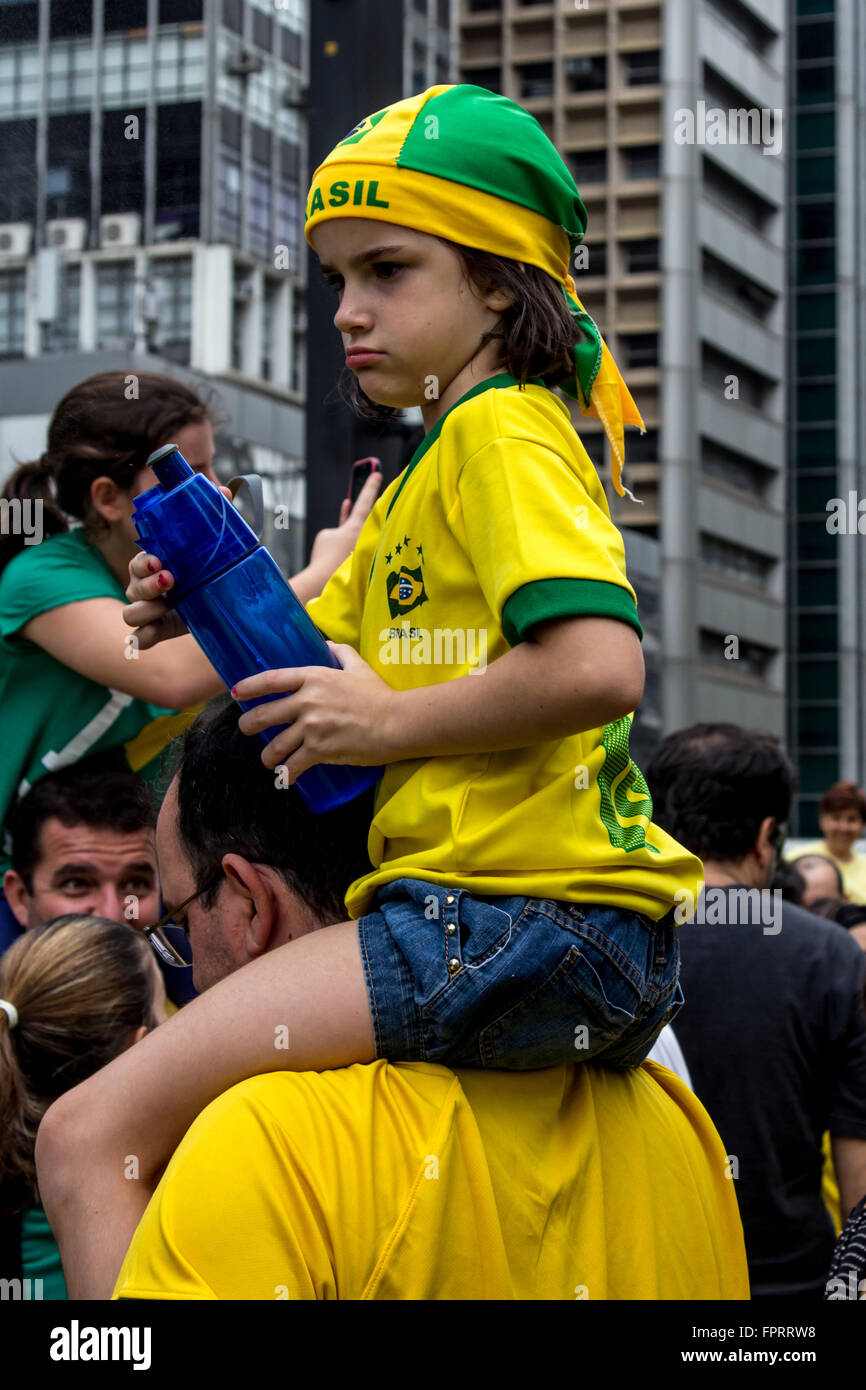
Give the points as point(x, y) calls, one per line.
point(17, 896)
point(259, 903)
point(110, 501)
point(765, 830)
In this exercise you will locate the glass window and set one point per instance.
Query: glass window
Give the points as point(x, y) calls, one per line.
point(816, 633)
point(172, 279)
point(229, 197)
point(12, 313)
point(818, 726)
point(233, 15)
point(817, 403)
point(642, 162)
point(817, 679)
point(816, 221)
point(180, 11)
point(816, 447)
point(586, 74)
point(122, 161)
point(490, 78)
point(115, 283)
point(125, 14)
point(735, 561)
point(641, 256)
point(816, 356)
point(818, 586)
point(640, 349)
point(816, 83)
point(535, 80)
point(259, 223)
point(288, 219)
point(816, 130)
point(589, 166)
point(816, 265)
point(67, 325)
point(643, 69)
point(69, 150)
point(814, 541)
point(816, 173)
point(814, 492)
point(20, 21)
point(17, 162)
point(815, 39)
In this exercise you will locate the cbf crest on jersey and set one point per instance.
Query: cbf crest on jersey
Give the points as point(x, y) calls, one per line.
point(405, 585)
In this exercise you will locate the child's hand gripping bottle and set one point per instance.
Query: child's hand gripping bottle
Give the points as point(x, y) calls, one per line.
point(234, 600)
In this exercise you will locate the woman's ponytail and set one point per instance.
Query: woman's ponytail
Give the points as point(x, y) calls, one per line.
point(30, 508)
point(81, 987)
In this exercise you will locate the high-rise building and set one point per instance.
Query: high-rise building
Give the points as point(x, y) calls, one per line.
point(152, 159)
point(827, 399)
point(669, 114)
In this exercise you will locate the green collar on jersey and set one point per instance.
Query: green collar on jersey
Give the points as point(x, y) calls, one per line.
point(502, 379)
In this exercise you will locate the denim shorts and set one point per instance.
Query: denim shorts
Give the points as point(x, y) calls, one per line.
point(514, 982)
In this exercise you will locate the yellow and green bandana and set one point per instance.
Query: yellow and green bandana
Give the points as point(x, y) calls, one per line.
point(465, 164)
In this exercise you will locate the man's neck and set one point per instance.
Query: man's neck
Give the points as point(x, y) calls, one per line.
point(724, 873)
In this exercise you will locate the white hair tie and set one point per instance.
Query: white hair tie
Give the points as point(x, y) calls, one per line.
point(11, 1012)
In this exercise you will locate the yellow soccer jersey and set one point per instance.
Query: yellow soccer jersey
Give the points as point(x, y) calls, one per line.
point(499, 522)
point(412, 1181)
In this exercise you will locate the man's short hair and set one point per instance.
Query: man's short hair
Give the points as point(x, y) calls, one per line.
point(713, 784)
point(97, 792)
point(230, 803)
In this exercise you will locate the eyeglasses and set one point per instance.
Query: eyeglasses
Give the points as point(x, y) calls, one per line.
point(167, 952)
point(777, 839)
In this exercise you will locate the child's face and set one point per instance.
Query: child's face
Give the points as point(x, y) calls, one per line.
point(414, 305)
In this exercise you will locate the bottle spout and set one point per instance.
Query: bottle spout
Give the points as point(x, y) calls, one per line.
point(170, 466)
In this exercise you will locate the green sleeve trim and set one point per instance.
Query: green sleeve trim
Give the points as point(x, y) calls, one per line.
point(562, 598)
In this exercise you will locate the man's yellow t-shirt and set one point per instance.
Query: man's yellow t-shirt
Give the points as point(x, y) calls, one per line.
point(853, 871)
point(411, 1181)
point(498, 523)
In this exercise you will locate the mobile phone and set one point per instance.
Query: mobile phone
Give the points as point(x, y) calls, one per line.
point(359, 475)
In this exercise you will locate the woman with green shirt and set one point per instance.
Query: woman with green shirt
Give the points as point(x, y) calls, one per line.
point(73, 995)
point(72, 681)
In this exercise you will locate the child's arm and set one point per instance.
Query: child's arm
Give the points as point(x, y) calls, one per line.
point(575, 674)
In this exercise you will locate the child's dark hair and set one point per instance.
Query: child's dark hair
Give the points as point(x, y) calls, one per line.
point(98, 429)
point(537, 330)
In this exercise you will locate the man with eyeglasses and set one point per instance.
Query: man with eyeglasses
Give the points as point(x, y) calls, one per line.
point(773, 1027)
point(370, 1181)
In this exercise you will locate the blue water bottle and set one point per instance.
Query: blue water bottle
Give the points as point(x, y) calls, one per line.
point(235, 601)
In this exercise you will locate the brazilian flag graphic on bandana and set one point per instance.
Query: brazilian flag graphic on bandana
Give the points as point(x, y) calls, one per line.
point(405, 590)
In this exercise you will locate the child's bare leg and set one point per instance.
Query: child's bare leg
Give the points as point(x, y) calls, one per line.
point(102, 1146)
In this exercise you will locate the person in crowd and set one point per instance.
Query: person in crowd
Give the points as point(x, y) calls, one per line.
point(842, 815)
point(790, 881)
point(72, 680)
point(846, 1279)
point(381, 1180)
point(82, 841)
point(851, 916)
point(74, 993)
point(822, 877)
point(773, 1027)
